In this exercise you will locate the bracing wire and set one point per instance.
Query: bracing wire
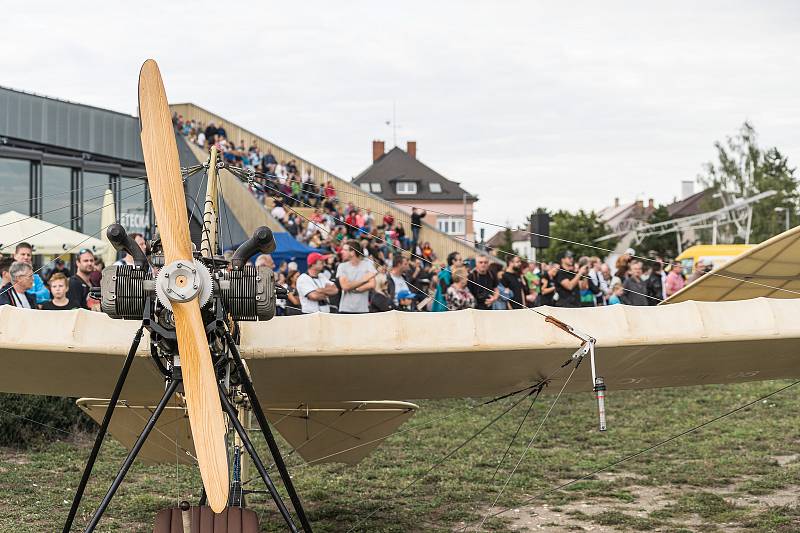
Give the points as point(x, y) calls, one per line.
point(649, 448)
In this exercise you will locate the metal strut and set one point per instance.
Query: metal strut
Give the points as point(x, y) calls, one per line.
point(587, 348)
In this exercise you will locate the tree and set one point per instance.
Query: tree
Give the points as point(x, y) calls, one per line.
point(581, 229)
point(744, 169)
point(660, 245)
point(507, 247)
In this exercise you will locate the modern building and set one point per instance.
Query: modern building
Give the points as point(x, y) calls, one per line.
point(57, 159)
point(399, 177)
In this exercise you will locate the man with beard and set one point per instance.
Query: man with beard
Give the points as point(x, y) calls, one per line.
point(513, 279)
point(482, 284)
point(568, 281)
point(80, 284)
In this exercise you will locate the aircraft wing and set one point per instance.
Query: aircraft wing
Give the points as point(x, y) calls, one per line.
point(771, 269)
point(320, 357)
point(310, 371)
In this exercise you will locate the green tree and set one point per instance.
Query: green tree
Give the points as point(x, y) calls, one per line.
point(507, 247)
point(744, 169)
point(581, 228)
point(660, 245)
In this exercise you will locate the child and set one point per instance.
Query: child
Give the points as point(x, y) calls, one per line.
point(58, 288)
point(616, 293)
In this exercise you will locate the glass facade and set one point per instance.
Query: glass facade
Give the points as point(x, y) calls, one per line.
point(94, 187)
point(133, 209)
point(56, 195)
point(15, 177)
point(72, 198)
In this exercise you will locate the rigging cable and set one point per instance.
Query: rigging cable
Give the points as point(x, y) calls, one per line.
point(649, 448)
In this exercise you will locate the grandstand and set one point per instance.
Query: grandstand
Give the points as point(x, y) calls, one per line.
point(250, 213)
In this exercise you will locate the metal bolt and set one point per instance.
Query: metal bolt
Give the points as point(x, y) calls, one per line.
point(166, 274)
point(180, 265)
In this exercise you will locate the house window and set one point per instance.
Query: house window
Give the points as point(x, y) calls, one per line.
point(370, 187)
point(435, 187)
point(451, 225)
point(406, 187)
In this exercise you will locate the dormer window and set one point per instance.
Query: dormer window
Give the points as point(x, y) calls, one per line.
point(406, 187)
point(435, 187)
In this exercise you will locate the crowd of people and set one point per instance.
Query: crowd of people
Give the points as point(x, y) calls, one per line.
point(286, 187)
point(361, 276)
point(358, 279)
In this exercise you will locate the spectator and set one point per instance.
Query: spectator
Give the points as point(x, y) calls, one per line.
point(514, 280)
point(454, 261)
point(23, 253)
point(315, 289)
point(533, 280)
point(504, 294)
point(81, 283)
point(568, 280)
point(482, 284)
point(293, 304)
point(58, 266)
point(416, 224)
point(655, 283)
point(265, 260)
point(547, 289)
point(5, 264)
point(379, 300)
point(699, 270)
point(397, 282)
point(458, 295)
point(616, 293)
point(278, 211)
point(128, 259)
point(674, 281)
point(58, 287)
point(17, 291)
point(635, 289)
point(599, 280)
point(356, 278)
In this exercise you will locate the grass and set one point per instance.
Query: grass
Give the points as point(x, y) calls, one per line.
point(722, 477)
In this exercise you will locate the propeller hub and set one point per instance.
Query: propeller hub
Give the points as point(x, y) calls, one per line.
point(183, 281)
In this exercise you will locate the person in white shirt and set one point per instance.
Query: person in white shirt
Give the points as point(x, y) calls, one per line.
point(314, 289)
point(356, 277)
point(278, 211)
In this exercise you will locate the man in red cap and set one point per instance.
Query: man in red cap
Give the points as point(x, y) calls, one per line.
point(313, 289)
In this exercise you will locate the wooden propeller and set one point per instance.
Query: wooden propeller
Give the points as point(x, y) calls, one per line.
point(166, 191)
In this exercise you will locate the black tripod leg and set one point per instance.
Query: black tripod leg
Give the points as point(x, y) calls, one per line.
point(248, 445)
point(101, 434)
point(247, 385)
point(151, 422)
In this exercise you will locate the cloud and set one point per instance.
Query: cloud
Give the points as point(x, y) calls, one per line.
point(525, 104)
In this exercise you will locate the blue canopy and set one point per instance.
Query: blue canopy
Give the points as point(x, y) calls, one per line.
point(288, 249)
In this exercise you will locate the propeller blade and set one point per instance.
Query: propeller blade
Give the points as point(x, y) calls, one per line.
point(166, 191)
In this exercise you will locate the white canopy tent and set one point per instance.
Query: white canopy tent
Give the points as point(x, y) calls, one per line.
point(45, 237)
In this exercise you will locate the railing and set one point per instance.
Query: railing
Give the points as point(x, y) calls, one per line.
point(441, 243)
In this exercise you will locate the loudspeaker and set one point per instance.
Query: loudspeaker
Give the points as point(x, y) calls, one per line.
point(540, 230)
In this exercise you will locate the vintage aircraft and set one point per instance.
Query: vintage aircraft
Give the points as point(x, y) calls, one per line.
point(205, 358)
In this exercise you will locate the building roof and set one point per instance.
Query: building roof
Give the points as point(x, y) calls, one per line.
point(691, 205)
point(499, 238)
point(397, 166)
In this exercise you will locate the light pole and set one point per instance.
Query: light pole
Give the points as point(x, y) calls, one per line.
point(786, 212)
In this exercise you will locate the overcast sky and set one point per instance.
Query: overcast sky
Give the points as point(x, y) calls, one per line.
point(525, 104)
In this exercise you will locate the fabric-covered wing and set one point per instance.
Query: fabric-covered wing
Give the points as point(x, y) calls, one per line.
point(334, 432)
point(320, 357)
point(771, 270)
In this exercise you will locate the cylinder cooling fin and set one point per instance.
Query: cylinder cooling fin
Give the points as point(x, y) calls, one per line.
point(249, 293)
point(123, 289)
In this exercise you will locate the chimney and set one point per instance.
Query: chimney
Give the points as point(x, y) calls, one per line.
point(639, 206)
point(378, 149)
point(650, 204)
point(616, 201)
point(411, 148)
point(687, 189)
